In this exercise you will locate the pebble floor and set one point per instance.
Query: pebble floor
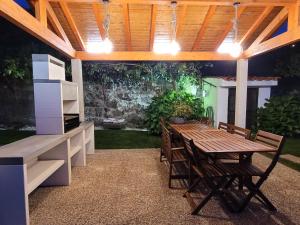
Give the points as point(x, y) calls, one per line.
point(130, 187)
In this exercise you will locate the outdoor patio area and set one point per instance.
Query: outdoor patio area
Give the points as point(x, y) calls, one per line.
point(130, 187)
point(158, 112)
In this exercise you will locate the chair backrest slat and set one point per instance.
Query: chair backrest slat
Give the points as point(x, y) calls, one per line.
point(240, 131)
point(224, 126)
point(194, 154)
point(272, 140)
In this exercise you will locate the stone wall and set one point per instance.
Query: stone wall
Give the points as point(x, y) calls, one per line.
point(118, 101)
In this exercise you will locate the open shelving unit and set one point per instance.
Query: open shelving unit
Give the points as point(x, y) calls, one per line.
point(40, 171)
point(45, 159)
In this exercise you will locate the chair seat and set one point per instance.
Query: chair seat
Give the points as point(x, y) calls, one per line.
point(227, 169)
point(210, 170)
point(240, 169)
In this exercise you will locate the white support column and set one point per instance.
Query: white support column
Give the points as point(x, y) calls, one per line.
point(241, 92)
point(264, 93)
point(77, 78)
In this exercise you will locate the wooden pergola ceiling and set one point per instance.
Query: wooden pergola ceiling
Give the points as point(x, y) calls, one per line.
point(136, 25)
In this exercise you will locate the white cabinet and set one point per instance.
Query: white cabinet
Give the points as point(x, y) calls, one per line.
point(53, 96)
point(47, 67)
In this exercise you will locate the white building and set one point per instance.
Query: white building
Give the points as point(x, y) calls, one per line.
point(220, 96)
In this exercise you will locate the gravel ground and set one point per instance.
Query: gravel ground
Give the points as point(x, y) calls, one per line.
point(131, 187)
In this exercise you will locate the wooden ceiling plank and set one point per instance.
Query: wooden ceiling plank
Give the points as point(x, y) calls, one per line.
point(40, 11)
point(195, 2)
point(99, 19)
point(127, 26)
point(228, 27)
point(180, 21)
point(152, 27)
point(211, 11)
point(151, 56)
point(268, 31)
point(56, 24)
point(14, 13)
point(256, 24)
point(72, 24)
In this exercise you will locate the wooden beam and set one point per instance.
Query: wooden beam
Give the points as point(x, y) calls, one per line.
point(293, 16)
point(151, 56)
point(180, 21)
point(40, 11)
point(72, 24)
point(21, 18)
point(228, 27)
point(127, 26)
point(152, 28)
point(195, 2)
point(273, 43)
point(271, 28)
point(56, 24)
point(99, 19)
point(256, 24)
point(211, 11)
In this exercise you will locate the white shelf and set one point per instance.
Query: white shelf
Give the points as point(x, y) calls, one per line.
point(74, 150)
point(40, 171)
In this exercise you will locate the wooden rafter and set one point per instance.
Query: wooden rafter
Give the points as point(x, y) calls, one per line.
point(40, 11)
point(180, 21)
point(151, 56)
point(208, 16)
point(228, 28)
point(127, 26)
point(72, 24)
point(99, 19)
point(293, 16)
point(56, 24)
point(270, 29)
point(196, 2)
point(14, 13)
point(273, 43)
point(152, 28)
point(256, 24)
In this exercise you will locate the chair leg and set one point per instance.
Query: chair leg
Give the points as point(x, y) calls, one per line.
point(215, 188)
point(191, 188)
point(254, 190)
point(251, 186)
point(170, 175)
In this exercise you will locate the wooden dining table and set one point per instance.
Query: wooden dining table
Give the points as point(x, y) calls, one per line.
point(213, 141)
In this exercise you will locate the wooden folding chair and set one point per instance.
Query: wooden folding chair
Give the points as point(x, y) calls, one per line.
point(248, 170)
point(214, 175)
point(174, 156)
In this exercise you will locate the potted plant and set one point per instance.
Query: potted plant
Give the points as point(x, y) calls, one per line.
point(182, 111)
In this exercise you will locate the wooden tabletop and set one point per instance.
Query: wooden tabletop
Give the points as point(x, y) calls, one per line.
point(219, 141)
point(188, 126)
point(211, 140)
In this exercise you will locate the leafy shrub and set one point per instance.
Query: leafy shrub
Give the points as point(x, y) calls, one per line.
point(164, 106)
point(182, 110)
point(281, 115)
